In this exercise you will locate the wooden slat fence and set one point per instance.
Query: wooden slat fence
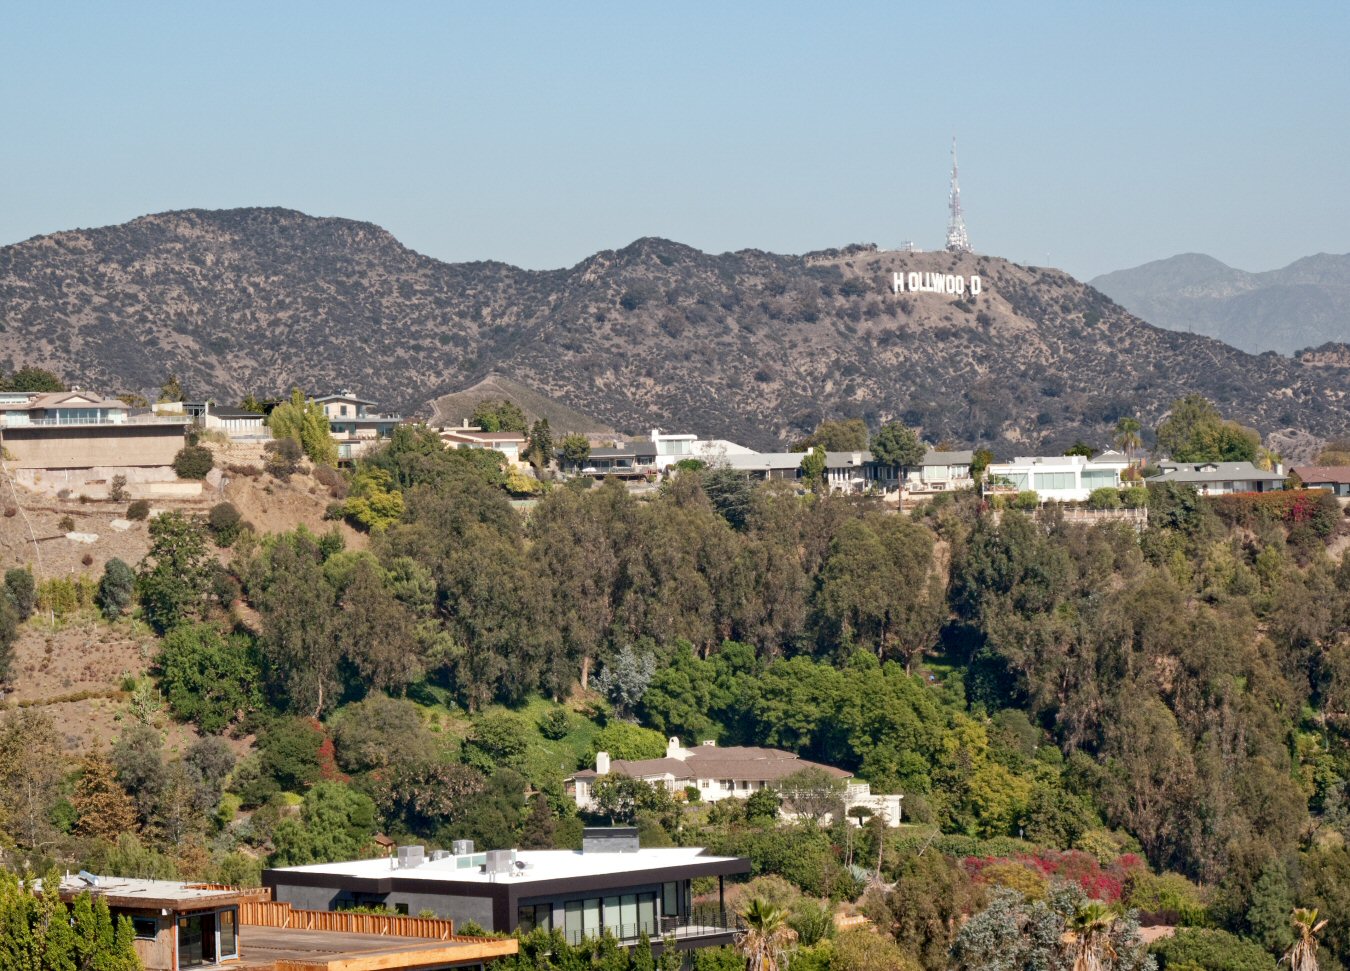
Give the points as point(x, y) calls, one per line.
point(270, 913)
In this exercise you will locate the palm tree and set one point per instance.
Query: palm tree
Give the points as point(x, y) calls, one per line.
point(1302, 954)
point(1089, 936)
point(766, 937)
point(1127, 436)
point(1267, 459)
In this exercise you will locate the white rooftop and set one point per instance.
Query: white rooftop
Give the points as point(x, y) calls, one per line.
point(720, 446)
point(539, 865)
point(755, 461)
point(130, 888)
point(1104, 459)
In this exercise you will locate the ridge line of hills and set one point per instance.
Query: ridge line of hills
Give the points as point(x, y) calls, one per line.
point(752, 346)
point(1302, 305)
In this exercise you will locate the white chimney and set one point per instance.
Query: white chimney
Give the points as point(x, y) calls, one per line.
point(673, 748)
point(602, 763)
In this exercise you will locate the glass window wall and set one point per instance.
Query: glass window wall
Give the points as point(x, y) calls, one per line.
point(625, 916)
point(1054, 480)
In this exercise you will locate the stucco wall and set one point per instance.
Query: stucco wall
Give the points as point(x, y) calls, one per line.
point(457, 909)
point(306, 898)
point(83, 447)
point(143, 482)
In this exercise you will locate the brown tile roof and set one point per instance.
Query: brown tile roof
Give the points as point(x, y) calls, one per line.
point(472, 436)
point(88, 399)
point(740, 763)
point(55, 399)
point(1322, 473)
point(644, 767)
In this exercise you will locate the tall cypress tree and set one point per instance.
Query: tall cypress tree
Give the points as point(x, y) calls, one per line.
point(57, 939)
point(18, 948)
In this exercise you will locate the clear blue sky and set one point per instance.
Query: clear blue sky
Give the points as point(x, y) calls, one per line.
point(1097, 135)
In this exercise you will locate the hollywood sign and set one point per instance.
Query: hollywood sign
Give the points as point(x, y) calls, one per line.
point(936, 283)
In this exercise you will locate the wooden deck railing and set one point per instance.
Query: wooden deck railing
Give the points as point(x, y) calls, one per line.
point(262, 893)
point(269, 913)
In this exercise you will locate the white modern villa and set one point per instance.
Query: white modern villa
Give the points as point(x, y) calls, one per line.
point(1062, 478)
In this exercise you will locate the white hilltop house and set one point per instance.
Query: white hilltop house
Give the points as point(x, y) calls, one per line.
point(1064, 478)
point(729, 772)
point(671, 448)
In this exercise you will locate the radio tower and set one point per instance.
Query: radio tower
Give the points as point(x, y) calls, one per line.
point(957, 240)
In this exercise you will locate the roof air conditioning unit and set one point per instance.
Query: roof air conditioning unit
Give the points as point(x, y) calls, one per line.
point(500, 861)
point(411, 856)
point(462, 847)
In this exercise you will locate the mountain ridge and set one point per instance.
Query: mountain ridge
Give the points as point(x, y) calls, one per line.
point(1304, 304)
point(749, 345)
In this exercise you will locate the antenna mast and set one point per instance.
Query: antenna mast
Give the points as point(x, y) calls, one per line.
point(957, 240)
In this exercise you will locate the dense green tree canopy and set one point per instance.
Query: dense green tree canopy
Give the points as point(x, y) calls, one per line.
point(305, 422)
point(849, 435)
point(207, 678)
point(498, 415)
point(31, 379)
point(897, 445)
point(576, 449)
point(1194, 431)
point(174, 579)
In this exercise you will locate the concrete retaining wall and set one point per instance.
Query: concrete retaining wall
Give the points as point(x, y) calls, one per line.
point(92, 446)
point(97, 482)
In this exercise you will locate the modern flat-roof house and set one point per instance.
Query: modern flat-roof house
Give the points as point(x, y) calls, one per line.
point(234, 422)
point(355, 426)
point(727, 772)
point(178, 925)
point(68, 438)
point(612, 885)
point(672, 448)
point(1218, 478)
point(183, 925)
point(1334, 478)
point(1060, 478)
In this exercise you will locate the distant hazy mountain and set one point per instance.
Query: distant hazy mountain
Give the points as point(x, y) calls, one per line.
point(1303, 305)
point(750, 346)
